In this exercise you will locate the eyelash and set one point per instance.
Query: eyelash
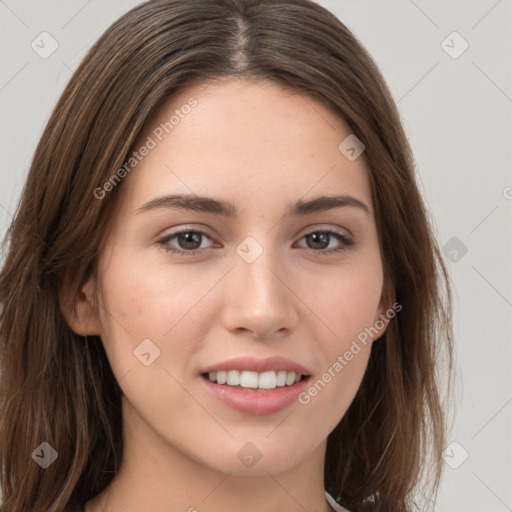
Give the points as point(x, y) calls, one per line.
point(347, 242)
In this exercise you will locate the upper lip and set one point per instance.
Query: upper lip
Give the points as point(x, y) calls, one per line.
point(274, 363)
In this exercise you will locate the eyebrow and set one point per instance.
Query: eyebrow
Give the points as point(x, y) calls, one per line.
point(230, 210)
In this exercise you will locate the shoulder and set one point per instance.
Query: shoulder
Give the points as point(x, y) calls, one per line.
point(334, 505)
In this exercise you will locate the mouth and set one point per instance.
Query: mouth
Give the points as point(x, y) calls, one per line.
point(255, 386)
point(247, 380)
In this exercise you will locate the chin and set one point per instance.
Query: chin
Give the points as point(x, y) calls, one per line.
point(258, 457)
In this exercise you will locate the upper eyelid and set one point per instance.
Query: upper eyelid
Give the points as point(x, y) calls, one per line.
point(306, 230)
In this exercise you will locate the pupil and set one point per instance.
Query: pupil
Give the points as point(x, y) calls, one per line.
point(193, 238)
point(322, 238)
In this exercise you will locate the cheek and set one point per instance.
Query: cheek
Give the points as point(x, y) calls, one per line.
point(345, 300)
point(354, 315)
point(348, 309)
point(148, 297)
point(143, 299)
point(136, 306)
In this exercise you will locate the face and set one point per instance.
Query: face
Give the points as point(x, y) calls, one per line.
point(256, 292)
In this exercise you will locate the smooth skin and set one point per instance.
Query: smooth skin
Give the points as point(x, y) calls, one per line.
point(260, 146)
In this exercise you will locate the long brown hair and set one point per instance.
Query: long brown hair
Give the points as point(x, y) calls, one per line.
point(58, 387)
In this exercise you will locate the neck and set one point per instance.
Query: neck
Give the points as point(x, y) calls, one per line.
point(157, 476)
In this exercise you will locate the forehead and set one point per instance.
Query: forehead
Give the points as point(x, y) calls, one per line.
point(254, 141)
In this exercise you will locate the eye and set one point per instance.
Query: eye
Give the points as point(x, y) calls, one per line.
point(324, 236)
point(189, 241)
point(187, 238)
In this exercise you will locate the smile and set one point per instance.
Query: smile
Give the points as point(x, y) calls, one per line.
point(254, 380)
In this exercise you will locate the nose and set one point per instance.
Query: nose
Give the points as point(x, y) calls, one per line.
point(260, 298)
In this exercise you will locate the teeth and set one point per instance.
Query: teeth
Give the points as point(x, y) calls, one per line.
point(267, 380)
point(249, 380)
point(281, 378)
point(246, 379)
point(233, 378)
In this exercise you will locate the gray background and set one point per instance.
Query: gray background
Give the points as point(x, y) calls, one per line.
point(458, 115)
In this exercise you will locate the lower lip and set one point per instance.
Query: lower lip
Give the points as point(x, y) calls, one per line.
point(253, 401)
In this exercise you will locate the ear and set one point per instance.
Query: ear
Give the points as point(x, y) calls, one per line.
point(78, 305)
point(385, 311)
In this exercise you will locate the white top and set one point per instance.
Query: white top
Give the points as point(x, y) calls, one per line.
point(334, 505)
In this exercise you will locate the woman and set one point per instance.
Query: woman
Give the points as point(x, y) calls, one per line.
point(287, 358)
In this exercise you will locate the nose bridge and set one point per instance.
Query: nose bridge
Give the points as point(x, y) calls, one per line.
point(257, 299)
